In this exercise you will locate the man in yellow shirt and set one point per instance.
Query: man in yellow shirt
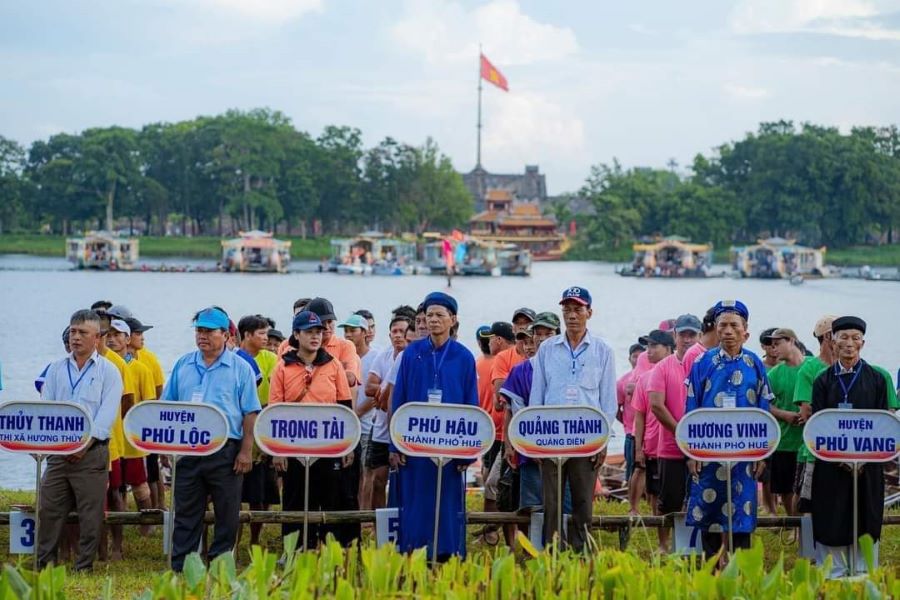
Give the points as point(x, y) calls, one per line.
point(260, 486)
point(134, 472)
point(114, 498)
point(143, 355)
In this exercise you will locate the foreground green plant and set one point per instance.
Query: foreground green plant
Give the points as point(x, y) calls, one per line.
point(370, 572)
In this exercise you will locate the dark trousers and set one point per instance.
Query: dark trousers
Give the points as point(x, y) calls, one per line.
point(348, 532)
point(82, 486)
point(581, 476)
point(324, 494)
point(196, 479)
point(712, 541)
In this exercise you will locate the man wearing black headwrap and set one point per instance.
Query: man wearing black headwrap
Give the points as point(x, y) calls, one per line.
point(850, 383)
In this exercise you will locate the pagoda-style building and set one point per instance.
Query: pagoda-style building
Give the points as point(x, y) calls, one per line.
point(507, 221)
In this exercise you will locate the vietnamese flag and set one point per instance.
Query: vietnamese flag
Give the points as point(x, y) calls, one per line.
point(490, 73)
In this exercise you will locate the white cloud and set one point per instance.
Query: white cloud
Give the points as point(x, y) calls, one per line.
point(844, 18)
point(520, 127)
point(770, 16)
point(745, 92)
point(445, 32)
point(264, 11)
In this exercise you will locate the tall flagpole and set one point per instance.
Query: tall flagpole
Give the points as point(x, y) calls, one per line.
point(478, 154)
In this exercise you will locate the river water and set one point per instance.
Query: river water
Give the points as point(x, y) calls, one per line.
point(37, 296)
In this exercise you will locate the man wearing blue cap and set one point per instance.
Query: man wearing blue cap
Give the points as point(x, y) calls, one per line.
point(433, 369)
point(728, 376)
point(577, 368)
point(213, 375)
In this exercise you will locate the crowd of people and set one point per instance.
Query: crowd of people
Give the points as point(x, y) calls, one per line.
point(534, 359)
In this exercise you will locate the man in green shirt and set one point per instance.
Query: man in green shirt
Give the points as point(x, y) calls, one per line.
point(782, 381)
point(808, 372)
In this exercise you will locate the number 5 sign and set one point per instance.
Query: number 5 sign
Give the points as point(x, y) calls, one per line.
point(21, 532)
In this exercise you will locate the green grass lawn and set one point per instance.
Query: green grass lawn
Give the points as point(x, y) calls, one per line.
point(144, 558)
point(184, 247)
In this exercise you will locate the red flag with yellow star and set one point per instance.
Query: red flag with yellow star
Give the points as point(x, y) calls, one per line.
point(490, 73)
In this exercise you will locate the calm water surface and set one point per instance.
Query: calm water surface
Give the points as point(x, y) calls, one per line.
point(37, 296)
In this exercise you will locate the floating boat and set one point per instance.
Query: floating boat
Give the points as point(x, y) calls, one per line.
point(102, 250)
point(671, 256)
point(256, 252)
point(493, 259)
point(779, 258)
point(507, 221)
point(372, 252)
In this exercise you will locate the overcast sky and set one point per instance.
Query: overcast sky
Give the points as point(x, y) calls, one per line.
point(643, 81)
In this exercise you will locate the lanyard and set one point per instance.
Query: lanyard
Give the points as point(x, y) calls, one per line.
point(438, 365)
point(74, 384)
point(203, 371)
point(840, 379)
point(575, 356)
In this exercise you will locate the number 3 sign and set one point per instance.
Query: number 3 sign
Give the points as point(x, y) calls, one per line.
point(21, 532)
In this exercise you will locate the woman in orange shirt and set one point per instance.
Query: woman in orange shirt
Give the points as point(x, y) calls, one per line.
point(307, 373)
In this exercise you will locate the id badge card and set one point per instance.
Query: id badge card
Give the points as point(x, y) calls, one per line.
point(729, 400)
point(571, 393)
point(845, 405)
point(434, 396)
point(197, 395)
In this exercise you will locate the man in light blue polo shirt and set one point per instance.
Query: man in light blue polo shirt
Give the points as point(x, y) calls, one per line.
point(78, 481)
point(213, 375)
point(574, 368)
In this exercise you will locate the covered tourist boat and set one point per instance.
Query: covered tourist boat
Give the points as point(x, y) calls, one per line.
point(256, 252)
point(779, 258)
point(670, 257)
point(102, 250)
point(372, 253)
point(478, 258)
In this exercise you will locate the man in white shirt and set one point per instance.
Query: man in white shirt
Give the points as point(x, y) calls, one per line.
point(78, 481)
point(574, 368)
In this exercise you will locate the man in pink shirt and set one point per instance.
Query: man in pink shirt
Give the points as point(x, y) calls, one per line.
point(660, 344)
point(636, 482)
point(708, 339)
point(625, 414)
point(667, 393)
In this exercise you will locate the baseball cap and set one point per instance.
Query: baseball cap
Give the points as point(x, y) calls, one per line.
point(322, 308)
point(667, 325)
point(765, 335)
point(306, 319)
point(547, 319)
point(483, 331)
point(212, 318)
point(524, 312)
point(120, 326)
point(274, 333)
point(782, 333)
point(688, 323)
point(635, 347)
point(528, 332)
point(823, 325)
point(355, 321)
point(136, 326)
point(117, 311)
point(504, 330)
point(101, 306)
point(578, 294)
point(657, 336)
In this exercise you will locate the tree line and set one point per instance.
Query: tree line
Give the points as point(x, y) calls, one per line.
point(806, 182)
point(251, 169)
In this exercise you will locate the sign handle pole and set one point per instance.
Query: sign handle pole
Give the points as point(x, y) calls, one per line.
point(559, 503)
point(437, 508)
point(305, 461)
point(170, 527)
point(854, 548)
point(37, 505)
point(730, 509)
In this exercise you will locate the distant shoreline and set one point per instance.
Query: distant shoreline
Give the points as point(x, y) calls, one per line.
point(318, 248)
